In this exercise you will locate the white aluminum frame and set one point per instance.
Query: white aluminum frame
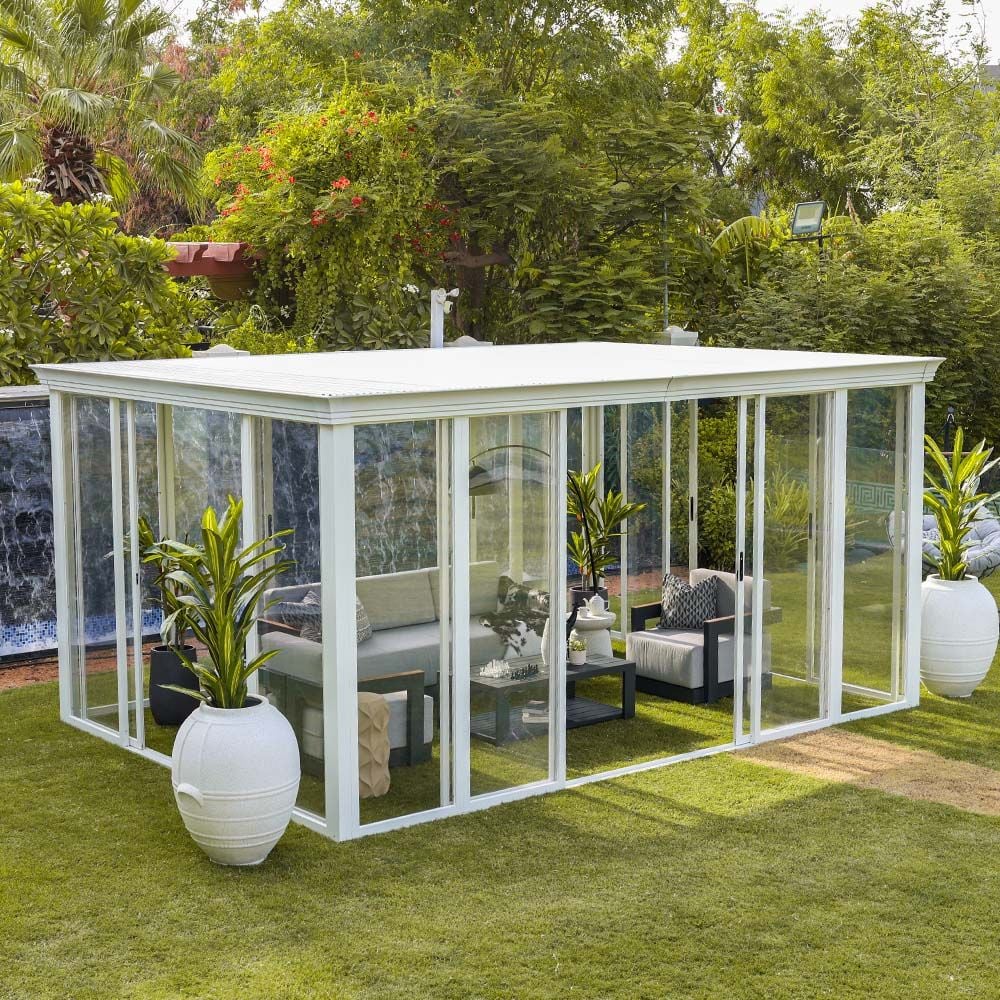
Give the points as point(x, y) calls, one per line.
point(335, 428)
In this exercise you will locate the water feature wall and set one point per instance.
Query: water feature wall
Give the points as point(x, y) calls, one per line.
point(27, 578)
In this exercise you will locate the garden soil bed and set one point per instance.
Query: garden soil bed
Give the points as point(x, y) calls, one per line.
point(838, 755)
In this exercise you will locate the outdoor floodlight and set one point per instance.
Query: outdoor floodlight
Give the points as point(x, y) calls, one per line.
point(807, 220)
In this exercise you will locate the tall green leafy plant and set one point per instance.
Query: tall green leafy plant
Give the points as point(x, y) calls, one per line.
point(177, 616)
point(954, 498)
point(219, 588)
point(600, 518)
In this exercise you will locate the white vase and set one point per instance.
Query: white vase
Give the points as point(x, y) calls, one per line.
point(577, 657)
point(236, 776)
point(959, 629)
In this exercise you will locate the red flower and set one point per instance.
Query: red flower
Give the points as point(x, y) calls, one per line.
point(348, 155)
point(404, 155)
point(217, 181)
point(340, 184)
point(357, 54)
point(357, 200)
point(241, 189)
point(343, 111)
point(317, 218)
point(291, 179)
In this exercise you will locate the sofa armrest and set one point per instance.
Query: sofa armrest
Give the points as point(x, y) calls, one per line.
point(412, 682)
point(265, 625)
point(638, 616)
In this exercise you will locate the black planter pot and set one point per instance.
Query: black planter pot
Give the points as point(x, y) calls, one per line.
point(580, 595)
point(170, 708)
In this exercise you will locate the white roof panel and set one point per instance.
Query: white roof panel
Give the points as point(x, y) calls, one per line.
point(344, 387)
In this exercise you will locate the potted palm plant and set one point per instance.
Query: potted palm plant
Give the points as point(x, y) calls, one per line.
point(600, 519)
point(235, 764)
point(959, 621)
point(168, 662)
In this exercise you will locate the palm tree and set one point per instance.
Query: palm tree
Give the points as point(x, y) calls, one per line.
point(78, 100)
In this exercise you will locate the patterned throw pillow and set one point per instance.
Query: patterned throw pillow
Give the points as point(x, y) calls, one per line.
point(306, 615)
point(684, 606)
point(364, 625)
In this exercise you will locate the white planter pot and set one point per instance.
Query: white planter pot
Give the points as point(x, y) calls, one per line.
point(236, 775)
point(958, 635)
point(577, 657)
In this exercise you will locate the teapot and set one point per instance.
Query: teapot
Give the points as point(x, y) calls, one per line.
point(596, 606)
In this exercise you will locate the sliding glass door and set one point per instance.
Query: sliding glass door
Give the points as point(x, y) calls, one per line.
point(790, 538)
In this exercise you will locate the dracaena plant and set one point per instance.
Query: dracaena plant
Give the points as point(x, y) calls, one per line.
point(176, 616)
point(217, 588)
point(954, 498)
point(600, 519)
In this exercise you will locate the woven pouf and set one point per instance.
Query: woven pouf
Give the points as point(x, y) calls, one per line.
point(373, 744)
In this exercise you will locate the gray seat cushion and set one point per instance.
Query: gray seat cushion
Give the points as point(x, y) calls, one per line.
point(389, 651)
point(677, 656)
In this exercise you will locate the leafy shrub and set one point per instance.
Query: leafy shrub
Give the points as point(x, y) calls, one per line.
point(908, 283)
point(341, 207)
point(74, 288)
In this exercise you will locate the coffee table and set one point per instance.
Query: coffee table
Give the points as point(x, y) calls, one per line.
point(505, 723)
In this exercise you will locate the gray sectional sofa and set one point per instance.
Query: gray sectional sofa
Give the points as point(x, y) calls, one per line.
point(402, 654)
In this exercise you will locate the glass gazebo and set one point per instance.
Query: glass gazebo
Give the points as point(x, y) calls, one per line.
point(427, 493)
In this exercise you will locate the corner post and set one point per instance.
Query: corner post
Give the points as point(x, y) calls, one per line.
point(834, 577)
point(913, 551)
point(340, 682)
point(65, 559)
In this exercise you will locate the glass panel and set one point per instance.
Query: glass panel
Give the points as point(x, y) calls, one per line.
point(291, 621)
point(402, 619)
point(613, 481)
point(94, 627)
point(644, 536)
point(672, 715)
point(872, 563)
point(201, 449)
point(795, 504)
point(680, 424)
point(511, 518)
point(206, 464)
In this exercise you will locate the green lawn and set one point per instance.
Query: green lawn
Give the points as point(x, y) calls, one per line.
point(718, 878)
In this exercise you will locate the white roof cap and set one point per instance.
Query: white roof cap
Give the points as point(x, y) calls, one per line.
point(365, 386)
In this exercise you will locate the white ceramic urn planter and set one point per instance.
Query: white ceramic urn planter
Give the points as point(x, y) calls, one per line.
point(958, 635)
point(236, 776)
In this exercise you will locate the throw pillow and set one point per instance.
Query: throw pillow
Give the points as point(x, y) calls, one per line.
point(307, 616)
point(312, 628)
point(684, 606)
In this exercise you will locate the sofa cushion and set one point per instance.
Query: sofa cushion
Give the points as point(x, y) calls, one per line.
point(394, 600)
point(484, 587)
point(685, 605)
point(677, 656)
point(726, 590)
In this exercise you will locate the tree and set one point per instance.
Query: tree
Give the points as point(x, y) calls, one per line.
point(78, 102)
point(542, 132)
